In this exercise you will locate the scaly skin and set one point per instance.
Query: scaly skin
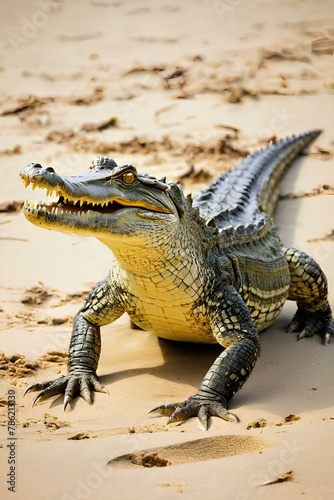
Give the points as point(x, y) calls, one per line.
point(211, 270)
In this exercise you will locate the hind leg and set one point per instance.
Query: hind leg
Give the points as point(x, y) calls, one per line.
point(309, 289)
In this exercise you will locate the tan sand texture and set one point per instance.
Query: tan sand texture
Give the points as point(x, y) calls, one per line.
point(182, 89)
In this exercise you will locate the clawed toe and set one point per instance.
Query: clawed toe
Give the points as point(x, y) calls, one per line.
point(164, 410)
point(194, 407)
point(294, 326)
point(309, 324)
point(38, 387)
point(67, 400)
point(326, 338)
point(71, 385)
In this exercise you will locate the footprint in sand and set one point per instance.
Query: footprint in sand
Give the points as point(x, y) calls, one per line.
point(192, 451)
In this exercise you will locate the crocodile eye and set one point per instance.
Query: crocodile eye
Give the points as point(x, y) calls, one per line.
point(128, 178)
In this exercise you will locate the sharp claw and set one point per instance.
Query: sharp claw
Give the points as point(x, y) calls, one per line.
point(37, 398)
point(220, 411)
point(203, 418)
point(67, 400)
point(150, 412)
point(174, 418)
point(88, 399)
point(164, 410)
point(29, 389)
point(294, 326)
point(326, 339)
point(302, 335)
point(102, 389)
point(180, 415)
point(36, 387)
point(156, 409)
point(99, 387)
point(204, 425)
point(231, 417)
point(85, 392)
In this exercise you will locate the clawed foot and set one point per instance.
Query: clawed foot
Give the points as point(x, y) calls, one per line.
point(309, 324)
point(195, 406)
point(70, 385)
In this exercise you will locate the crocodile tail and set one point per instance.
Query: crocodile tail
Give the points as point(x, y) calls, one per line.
point(249, 192)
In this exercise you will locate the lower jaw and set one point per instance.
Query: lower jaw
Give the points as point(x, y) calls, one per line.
point(58, 218)
point(53, 209)
point(53, 217)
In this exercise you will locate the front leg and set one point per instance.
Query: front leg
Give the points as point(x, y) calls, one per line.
point(103, 306)
point(233, 328)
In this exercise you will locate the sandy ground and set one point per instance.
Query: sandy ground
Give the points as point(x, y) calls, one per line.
point(183, 89)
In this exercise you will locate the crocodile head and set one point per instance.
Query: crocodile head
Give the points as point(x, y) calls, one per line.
point(108, 200)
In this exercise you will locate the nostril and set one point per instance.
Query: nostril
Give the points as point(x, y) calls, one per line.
point(50, 169)
point(34, 165)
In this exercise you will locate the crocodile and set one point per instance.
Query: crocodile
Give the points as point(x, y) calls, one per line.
point(208, 269)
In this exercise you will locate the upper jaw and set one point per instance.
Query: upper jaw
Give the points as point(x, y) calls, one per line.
point(67, 191)
point(93, 190)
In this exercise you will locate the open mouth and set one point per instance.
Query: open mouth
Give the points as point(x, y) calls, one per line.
point(65, 205)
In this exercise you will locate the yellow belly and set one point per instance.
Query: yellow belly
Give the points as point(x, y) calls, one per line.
point(173, 322)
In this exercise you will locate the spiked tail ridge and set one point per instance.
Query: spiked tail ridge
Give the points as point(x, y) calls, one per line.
point(248, 194)
point(287, 152)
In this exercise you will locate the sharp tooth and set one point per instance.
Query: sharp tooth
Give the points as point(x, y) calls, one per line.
point(35, 204)
point(34, 187)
